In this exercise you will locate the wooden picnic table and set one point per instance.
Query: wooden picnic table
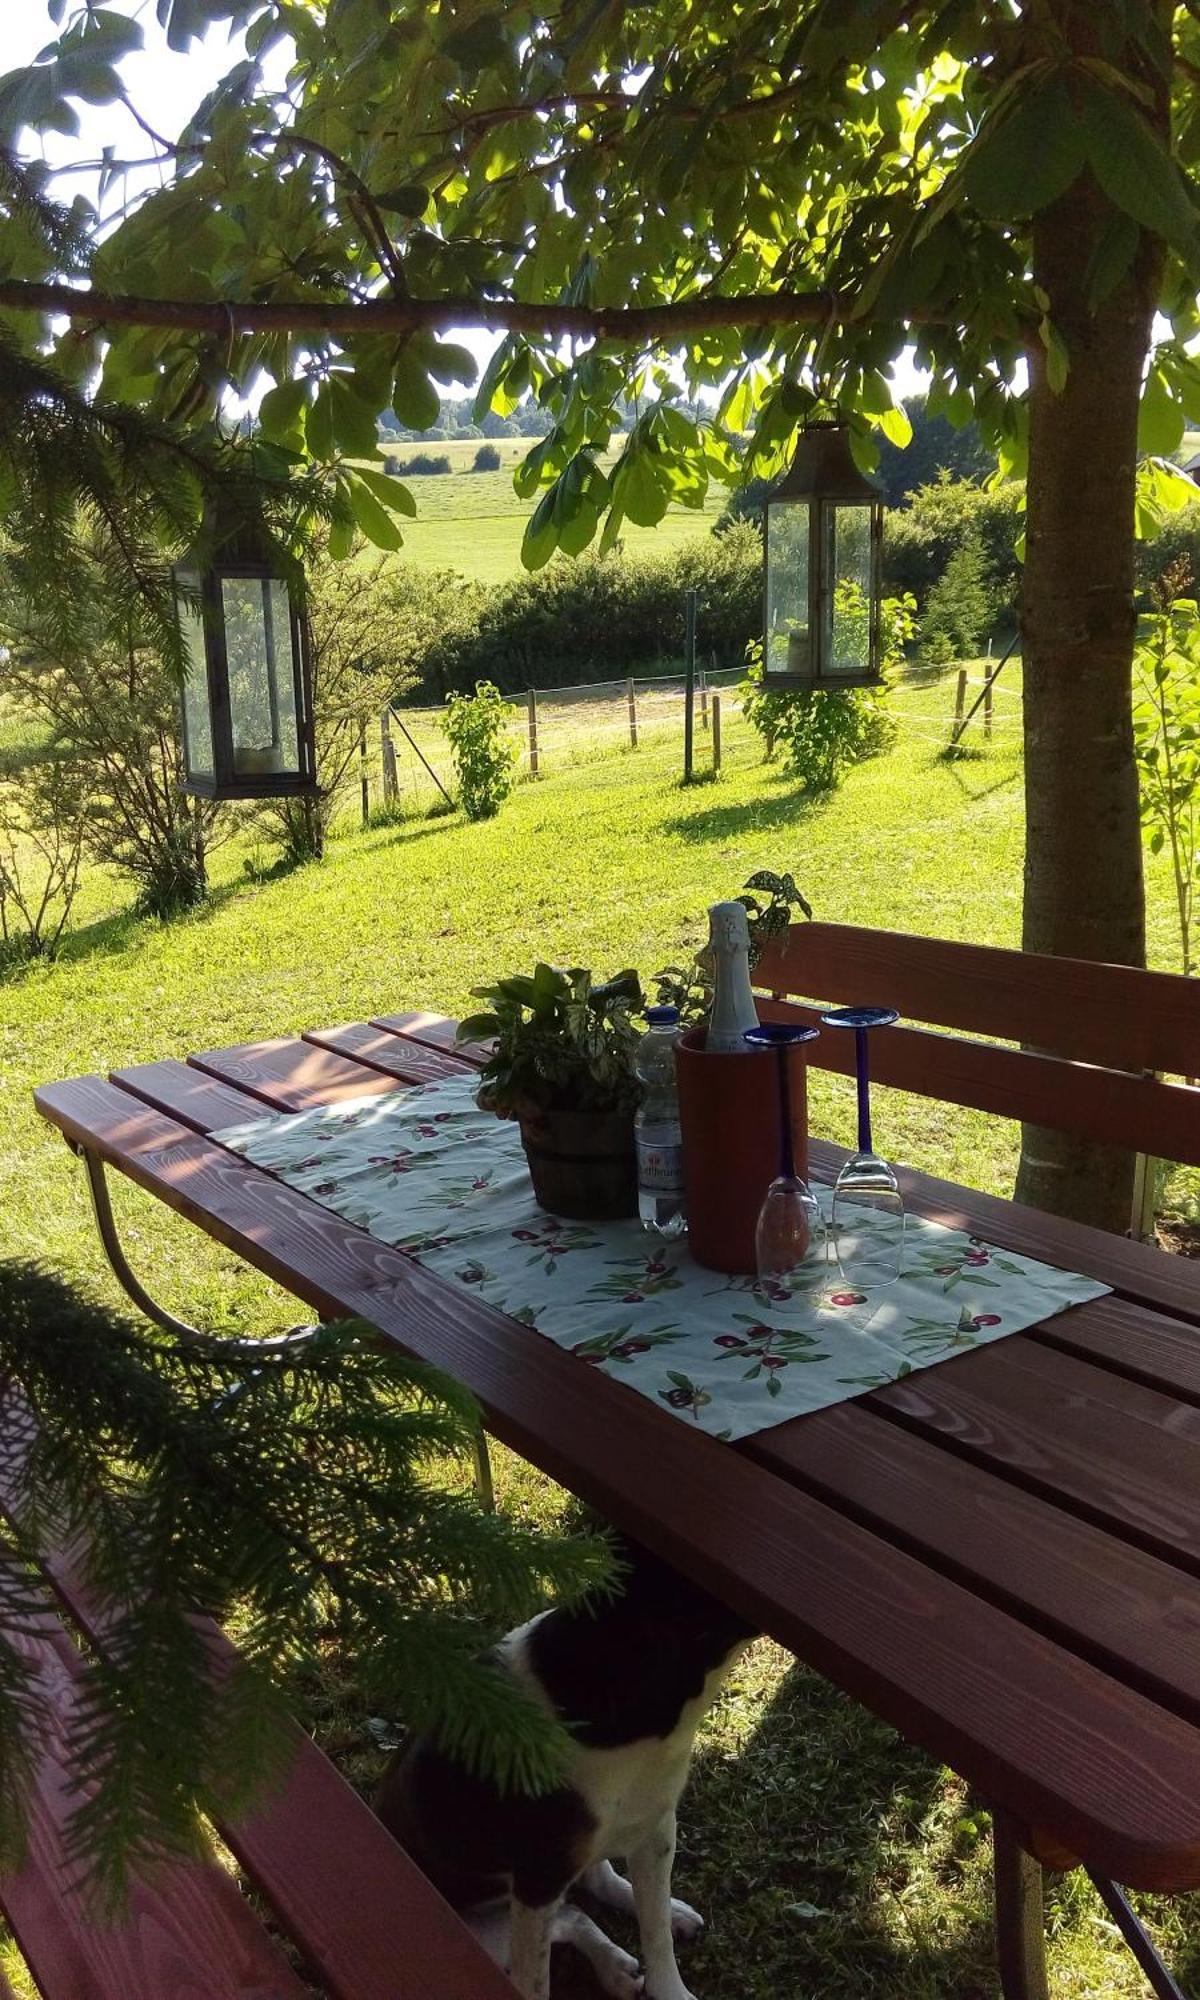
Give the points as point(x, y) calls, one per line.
point(999, 1556)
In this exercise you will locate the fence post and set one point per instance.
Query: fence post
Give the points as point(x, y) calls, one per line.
point(364, 776)
point(987, 708)
point(716, 730)
point(631, 698)
point(387, 752)
point(533, 736)
point(960, 703)
point(689, 699)
point(703, 700)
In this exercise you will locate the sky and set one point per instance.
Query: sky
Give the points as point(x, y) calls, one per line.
point(167, 87)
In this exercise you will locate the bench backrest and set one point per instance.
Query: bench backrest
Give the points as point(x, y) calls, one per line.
point(1092, 1036)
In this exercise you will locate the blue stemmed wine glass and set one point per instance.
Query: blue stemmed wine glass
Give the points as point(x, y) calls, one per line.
point(867, 1218)
point(790, 1235)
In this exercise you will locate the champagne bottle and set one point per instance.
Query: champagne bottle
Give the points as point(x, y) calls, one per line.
point(733, 1009)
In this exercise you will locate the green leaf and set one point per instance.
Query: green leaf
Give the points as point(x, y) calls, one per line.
point(541, 536)
point(318, 427)
point(448, 362)
point(279, 411)
point(1114, 252)
point(354, 421)
point(477, 43)
point(375, 521)
point(186, 20)
point(1024, 158)
point(1134, 167)
point(1160, 418)
point(895, 425)
point(414, 398)
point(636, 491)
point(1058, 360)
point(341, 537)
point(410, 200)
point(390, 492)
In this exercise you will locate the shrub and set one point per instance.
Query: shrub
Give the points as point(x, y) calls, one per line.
point(590, 617)
point(112, 706)
point(961, 609)
point(920, 539)
point(355, 674)
point(1177, 540)
point(487, 459)
point(422, 463)
point(824, 731)
point(41, 846)
point(484, 753)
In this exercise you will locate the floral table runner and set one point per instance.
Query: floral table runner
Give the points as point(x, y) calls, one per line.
point(426, 1170)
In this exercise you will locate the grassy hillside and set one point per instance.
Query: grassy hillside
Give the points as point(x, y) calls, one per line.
point(473, 522)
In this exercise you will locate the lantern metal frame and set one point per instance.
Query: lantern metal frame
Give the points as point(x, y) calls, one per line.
point(244, 558)
point(823, 476)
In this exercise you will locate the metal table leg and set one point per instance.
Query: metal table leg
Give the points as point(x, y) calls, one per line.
point(191, 1336)
point(1117, 1903)
point(131, 1284)
point(1020, 1925)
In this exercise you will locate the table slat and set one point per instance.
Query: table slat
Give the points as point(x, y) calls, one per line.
point(291, 1075)
point(435, 1029)
point(392, 1055)
point(1124, 1456)
point(1136, 1270)
point(1124, 1609)
point(1109, 1774)
point(187, 1094)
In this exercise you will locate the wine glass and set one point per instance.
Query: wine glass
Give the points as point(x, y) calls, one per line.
point(867, 1218)
point(790, 1236)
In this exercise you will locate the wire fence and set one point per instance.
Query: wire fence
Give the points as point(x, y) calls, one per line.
point(405, 765)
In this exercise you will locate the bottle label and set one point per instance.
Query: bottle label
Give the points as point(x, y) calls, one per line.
point(660, 1167)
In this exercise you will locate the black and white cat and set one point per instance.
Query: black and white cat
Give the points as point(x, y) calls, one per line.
point(631, 1677)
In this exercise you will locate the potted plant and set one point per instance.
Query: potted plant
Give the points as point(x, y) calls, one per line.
point(563, 1068)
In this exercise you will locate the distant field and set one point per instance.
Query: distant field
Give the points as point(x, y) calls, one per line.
point(473, 522)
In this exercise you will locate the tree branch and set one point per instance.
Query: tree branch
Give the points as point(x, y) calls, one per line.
point(674, 321)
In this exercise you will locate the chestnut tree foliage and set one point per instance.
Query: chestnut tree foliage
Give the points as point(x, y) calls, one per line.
point(729, 216)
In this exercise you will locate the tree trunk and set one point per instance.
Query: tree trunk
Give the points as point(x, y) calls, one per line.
point(1083, 859)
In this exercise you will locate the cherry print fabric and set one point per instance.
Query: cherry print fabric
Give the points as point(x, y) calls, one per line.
point(424, 1169)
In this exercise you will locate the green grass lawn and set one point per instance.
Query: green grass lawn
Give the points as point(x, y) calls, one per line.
point(473, 522)
point(833, 1861)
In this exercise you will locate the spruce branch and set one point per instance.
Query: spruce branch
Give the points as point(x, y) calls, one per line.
point(296, 1500)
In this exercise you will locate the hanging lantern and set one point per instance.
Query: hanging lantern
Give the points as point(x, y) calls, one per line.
point(824, 534)
point(247, 694)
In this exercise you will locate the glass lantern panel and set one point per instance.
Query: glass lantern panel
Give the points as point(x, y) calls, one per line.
point(197, 717)
point(262, 675)
point(788, 648)
point(850, 648)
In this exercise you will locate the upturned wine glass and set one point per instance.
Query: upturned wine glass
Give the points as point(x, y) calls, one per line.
point(867, 1217)
point(790, 1236)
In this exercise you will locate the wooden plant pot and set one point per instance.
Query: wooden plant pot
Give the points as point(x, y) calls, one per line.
point(729, 1115)
point(582, 1163)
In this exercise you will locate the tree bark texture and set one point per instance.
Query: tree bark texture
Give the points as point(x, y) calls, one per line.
point(1083, 858)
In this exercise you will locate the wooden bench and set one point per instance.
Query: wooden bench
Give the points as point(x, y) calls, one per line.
point(1106, 1035)
point(362, 1920)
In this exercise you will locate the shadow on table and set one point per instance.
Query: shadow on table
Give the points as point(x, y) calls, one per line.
point(801, 1835)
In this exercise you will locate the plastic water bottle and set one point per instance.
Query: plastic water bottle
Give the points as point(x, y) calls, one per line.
point(659, 1142)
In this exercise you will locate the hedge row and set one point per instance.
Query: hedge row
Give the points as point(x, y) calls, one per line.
point(595, 618)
